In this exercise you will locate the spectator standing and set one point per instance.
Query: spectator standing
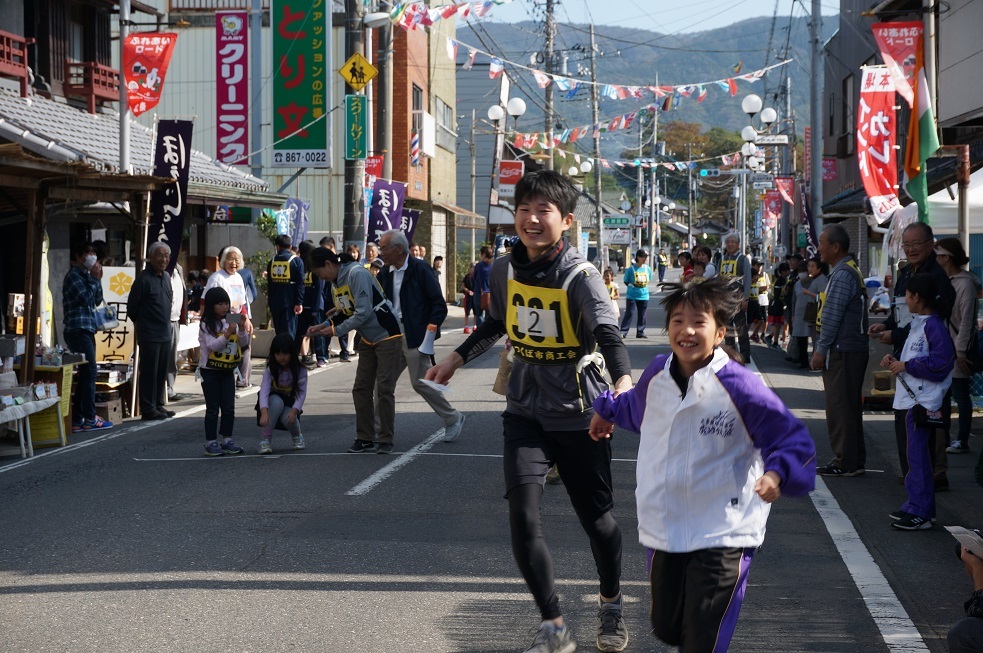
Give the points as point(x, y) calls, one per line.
point(735, 265)
point(924, 371)
point(705, 254)
point(806, 293)
point(685, 262)
point(371, 253)
point(663, 263)
point(482, 283)
point(361, 306)
point(285, 275)
point(917, 242)
point(842, 353)
point(218, 339)
point(81, 293)
point(637, 278)
point(230, 280)
point(949, 253)
point(413, 289)
point(438, 265)
point(179, 316)
point(149, 308)
point(467, 297)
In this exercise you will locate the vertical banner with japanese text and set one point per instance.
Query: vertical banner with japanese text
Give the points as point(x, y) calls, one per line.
point(172, 159)
point(807, 155)
point(809, 225)
point(772, 206)
point(356, 127)
point(876, 136)
point(301, 86)
point(408, 222)
point(387, 207)
point(232, 87)
point(117, 345)
point(146, 56)
point(899, 44)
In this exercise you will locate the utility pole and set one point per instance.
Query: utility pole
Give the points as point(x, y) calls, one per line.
point(654, 184)
point(474, 177)
point(816, 111)
point(124, 104)
point(689, 220)
point(785, 231)
point(602, 253)
point(353, 230)
point(257, 104)
point(639, 183)
point(549, 89)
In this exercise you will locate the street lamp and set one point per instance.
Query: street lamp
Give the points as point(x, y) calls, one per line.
point(753, 106)
point(515, 107)
point(584, 168)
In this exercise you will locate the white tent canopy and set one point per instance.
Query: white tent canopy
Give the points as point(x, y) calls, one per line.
point(943, 211)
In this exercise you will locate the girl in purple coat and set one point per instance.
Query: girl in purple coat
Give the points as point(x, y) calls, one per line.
point(282, 393)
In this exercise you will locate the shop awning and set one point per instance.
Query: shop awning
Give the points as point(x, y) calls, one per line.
point(943, 210)
point(465, 219)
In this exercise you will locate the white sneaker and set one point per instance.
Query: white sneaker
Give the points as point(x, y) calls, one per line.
point(265, 446)
point(298, 441)
point(452, 432)
point(957, 447)
point(550, 639)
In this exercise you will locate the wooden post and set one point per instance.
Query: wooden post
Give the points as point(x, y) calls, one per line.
point(32, 259)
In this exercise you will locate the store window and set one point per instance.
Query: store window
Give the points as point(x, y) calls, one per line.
point(446, 126)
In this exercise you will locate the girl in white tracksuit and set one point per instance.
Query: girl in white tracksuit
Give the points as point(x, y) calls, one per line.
point(926, 363)
point(717, 447)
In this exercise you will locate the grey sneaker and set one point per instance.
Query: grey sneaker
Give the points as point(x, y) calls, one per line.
point(265, 446)
point(298, 441)
point(612, 635)
point(452, 432)
point(384, 447)
point(549, 639)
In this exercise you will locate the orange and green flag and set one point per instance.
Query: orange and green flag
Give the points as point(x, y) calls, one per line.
point(923, 142)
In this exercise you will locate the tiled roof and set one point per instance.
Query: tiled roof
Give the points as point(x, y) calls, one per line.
point(94, 138)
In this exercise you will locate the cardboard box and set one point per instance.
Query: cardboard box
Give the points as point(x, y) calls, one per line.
point(111, 411)
point(11, 346)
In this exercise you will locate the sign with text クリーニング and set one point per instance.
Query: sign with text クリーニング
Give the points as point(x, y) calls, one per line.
point(301, 87)
point(232, 86)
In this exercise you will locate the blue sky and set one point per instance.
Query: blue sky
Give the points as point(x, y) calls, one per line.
point(661, 16)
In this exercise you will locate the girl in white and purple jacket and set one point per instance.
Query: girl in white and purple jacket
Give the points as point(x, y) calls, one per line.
point(282, 393)
point(717, 447)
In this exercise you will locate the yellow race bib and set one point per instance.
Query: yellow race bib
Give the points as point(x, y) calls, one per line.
point(641, 279)
point(228, 358)
point(343, 300)
point(280, 271)
point(538, 324)
point(728, 268)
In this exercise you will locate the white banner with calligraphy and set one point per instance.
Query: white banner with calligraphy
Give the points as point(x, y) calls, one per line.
point(876, 137)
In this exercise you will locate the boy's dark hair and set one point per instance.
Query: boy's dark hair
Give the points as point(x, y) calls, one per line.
point(211, 322)
point(719, 296)
point(548, 184)
point(283, 241)
point(327, 240)
point(926, 286)
point(685, 256)
point(284, 344)
point(782, 267)
point(304, 250)
point(320, 256)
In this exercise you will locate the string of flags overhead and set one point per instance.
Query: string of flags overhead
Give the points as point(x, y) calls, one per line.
point(731, 159)
point(411, 15)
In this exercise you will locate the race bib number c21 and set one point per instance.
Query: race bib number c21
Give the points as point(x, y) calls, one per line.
point(539, 326)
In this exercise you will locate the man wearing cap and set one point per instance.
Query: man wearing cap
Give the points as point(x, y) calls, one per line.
point(736, 265)
point(637, 278)
point(418, 303)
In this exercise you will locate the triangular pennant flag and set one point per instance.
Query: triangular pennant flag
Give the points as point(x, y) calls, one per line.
point(701, 94)
point(542, 79)
point(737, 67)
point(667, 103)
point(481, 8)
point(465, 10)
point(396, 15)
point(628, 119)
point(573, 91)
point(622, 92)
point(609, 91)
point(562, 83)
point(496, 68)
point(452, 49)
point(469, 64)
point(447, 11)
point(605, 163)
point(732, 85)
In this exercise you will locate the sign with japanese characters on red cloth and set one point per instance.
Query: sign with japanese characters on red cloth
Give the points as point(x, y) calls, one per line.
point(146, 56)
point(772, 205)
point(899, 43)
point(301, 88)
point(876, 136)
point(232, 86)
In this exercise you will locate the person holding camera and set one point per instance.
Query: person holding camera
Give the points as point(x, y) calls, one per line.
point(966, 636)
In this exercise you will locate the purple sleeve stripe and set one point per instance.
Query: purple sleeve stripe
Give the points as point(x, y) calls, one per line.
point(627, 409)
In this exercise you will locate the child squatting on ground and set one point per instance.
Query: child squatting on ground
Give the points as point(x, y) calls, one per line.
point(218, 337)
point(924, 374)
point(717, 447)
point(282, 393)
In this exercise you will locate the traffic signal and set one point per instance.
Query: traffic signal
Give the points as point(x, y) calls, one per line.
point(710, 172)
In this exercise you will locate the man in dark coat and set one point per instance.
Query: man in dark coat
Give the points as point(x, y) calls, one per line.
point(149, 308)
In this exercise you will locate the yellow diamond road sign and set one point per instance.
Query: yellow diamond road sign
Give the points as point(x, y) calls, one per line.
point(358, 72)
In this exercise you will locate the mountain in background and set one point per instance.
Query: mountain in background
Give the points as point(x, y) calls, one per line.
point(637, 57)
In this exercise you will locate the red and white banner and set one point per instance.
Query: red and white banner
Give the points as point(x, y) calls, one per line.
point(232, 86)
point(899, 43)
point(786, 188)
point(807, 155)
point(509, 174)
point(876, 136)
point(829, 168)
point(146, 56)
point(772, 206)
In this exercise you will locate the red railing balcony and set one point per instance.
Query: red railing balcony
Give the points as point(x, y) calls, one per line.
point(13, 58)
point(92, 81)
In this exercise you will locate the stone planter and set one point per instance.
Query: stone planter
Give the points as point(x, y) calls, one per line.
point(260, 345)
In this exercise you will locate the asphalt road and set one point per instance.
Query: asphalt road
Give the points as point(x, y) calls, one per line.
point(133, 541)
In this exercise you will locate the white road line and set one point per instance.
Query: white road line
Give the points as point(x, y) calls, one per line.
point(897, 629)
point(366, 486)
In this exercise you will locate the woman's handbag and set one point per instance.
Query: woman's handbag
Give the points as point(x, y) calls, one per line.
point(811, 312)
point(105, 317)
